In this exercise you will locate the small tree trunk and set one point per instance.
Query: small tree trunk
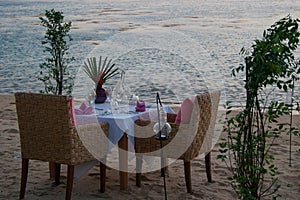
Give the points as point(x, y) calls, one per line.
point(61, 74)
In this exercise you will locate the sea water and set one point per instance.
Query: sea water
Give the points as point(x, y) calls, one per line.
point(177, 48)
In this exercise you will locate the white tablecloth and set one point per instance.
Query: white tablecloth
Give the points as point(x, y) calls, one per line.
point(118, 125)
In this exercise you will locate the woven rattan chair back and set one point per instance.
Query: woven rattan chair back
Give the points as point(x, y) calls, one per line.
point(198, 125)
point(47, 134)
point(206, 147)
point(186, 140)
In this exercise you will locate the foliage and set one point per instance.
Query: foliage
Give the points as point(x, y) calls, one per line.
point(54, 71)
point(269, 62)
point(100, 72)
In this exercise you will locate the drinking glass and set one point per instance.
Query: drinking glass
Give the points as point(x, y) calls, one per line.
point(91, 96)
point(108, 91)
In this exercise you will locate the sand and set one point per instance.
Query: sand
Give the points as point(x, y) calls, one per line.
point(39, 186)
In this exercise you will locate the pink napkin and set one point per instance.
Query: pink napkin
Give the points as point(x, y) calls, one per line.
point(140, 107)
point(84, 110)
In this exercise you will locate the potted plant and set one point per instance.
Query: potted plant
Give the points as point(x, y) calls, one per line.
point(270, 62)
point(99, 73)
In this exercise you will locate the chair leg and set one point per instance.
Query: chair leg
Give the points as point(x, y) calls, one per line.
point(187, 175)
point(24, 175)
point(102, 177)
point(70, 177)
point(139, 163)
point(208, 167)
point(57, 174)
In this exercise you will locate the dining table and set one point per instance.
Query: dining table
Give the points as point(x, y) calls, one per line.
point(121, 132)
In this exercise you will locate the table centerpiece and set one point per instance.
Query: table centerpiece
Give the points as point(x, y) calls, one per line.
point(99, 73)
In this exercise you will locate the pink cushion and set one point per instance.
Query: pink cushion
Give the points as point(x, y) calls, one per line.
point(185, 112)
point(72, 112)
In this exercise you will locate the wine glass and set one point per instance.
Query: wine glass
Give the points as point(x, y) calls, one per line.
point(118, 94)
point(108, 91)
point(91, 96)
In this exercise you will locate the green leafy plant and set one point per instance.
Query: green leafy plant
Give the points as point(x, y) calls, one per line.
point(54, 71)
point(100, 72)
point(270, 62)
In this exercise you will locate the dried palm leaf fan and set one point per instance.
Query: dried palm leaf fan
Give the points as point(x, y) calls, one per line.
point(100, 72)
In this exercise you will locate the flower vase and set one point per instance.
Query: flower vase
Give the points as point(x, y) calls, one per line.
point(100, 94)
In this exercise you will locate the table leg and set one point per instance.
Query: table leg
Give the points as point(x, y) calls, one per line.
point(52, 171)
point(123, 161)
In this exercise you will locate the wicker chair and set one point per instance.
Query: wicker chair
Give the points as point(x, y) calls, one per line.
point(47, 134)
point(186, 139)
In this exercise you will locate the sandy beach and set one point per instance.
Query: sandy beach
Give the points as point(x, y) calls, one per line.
point(39, 186)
